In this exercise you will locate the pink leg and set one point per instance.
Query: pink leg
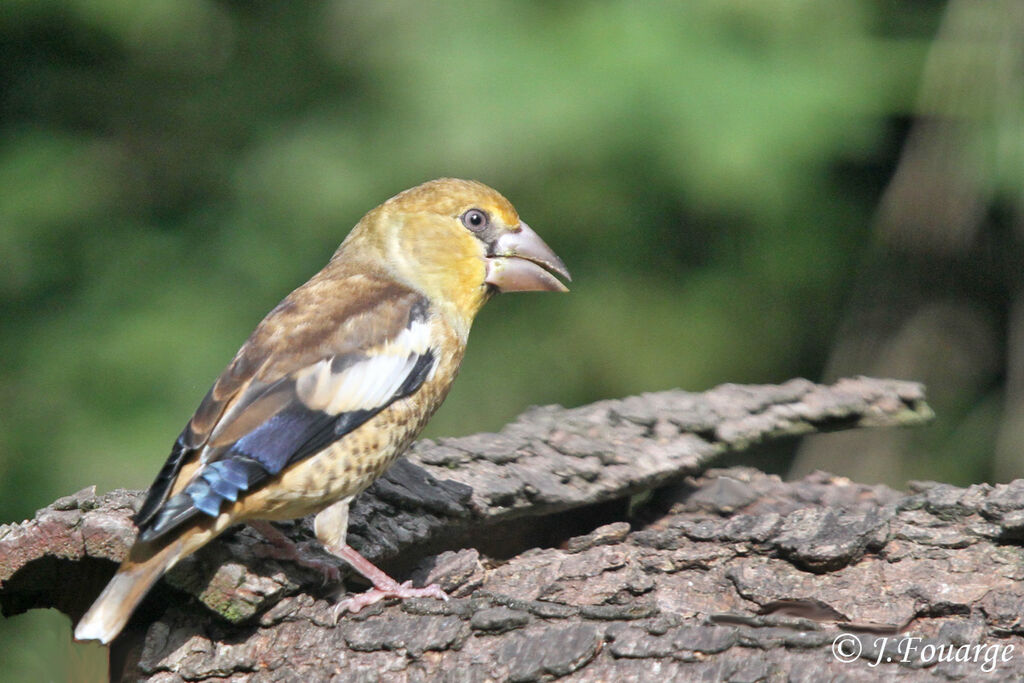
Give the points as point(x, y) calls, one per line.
point(283, 548)
point(383, 585)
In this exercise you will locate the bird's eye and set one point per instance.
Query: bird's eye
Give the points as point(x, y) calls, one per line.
point(475, 219)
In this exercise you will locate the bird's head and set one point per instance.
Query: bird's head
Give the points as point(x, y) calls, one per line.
point(459, 241)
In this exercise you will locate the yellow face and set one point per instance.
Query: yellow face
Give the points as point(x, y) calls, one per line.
point(440, 231)
point(458, 241)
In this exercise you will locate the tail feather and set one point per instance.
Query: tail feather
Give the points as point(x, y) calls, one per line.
point(133, 579)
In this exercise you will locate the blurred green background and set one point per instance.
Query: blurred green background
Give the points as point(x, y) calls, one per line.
point(744, 192)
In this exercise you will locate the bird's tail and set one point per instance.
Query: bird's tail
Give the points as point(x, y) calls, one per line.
point(133, 579)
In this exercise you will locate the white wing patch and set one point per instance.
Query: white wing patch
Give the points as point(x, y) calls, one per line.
point(369, 382)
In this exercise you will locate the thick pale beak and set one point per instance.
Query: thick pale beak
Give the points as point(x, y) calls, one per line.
point(520, 263)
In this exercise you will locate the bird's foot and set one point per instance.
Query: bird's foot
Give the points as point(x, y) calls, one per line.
point(280, 547)
point(376, 594)
point(329, 572)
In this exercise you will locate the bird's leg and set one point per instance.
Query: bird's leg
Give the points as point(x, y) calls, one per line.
point(283, 548)
point(331, 526)
point(383, 585)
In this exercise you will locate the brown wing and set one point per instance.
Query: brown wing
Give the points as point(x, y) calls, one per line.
point(306, 377)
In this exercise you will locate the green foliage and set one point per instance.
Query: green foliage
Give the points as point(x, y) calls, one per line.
point(170, 170)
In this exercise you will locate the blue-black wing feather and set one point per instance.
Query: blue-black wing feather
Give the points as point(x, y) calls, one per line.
point(289, 435)
point(285, 439)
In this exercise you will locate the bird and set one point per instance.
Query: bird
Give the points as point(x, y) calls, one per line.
point(332, 386)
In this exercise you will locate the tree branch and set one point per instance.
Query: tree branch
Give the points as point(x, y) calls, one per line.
point(742, 572)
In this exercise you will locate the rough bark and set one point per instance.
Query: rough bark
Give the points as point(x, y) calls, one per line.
point(732, 575)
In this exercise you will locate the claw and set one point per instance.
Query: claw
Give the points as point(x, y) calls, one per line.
point(403, 591)
point(383, 585)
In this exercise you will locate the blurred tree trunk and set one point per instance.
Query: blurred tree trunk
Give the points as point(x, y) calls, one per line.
point(932, 297)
